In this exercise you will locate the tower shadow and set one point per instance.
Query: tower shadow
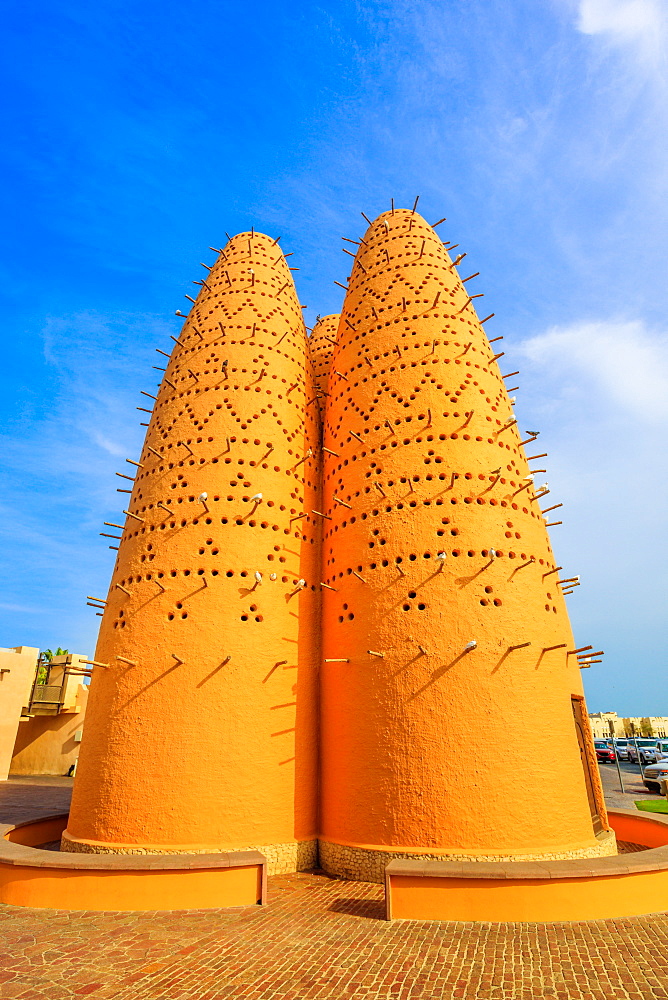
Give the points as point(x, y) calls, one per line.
point(371, 909)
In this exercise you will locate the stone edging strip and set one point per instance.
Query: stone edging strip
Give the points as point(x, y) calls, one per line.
point(653, 859)
point(33, 857)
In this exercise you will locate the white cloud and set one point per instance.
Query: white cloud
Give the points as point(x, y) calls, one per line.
point(640, 24)
point(599, 392)
point(112, 447)
point(625, 19)
point(625, 360)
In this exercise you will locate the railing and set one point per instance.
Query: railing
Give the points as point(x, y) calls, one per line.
point(47, 696)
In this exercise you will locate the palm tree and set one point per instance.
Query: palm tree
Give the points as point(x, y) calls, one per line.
point(45, 657)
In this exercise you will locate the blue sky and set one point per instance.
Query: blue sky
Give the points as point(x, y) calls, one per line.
point(136, 135)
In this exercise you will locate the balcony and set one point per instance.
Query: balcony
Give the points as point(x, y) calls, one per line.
point(47, 699)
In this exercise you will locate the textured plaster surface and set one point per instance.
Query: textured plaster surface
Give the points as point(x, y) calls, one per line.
point(321, 344)
point(443, 624)
point(435, 540)
point(201, 729)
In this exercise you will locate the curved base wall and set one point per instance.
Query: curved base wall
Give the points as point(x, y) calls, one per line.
point(361, 864)
point(629, 885)
point(297, 856)
point(30, 876)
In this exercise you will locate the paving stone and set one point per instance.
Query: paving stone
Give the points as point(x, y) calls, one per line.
point(318, 939)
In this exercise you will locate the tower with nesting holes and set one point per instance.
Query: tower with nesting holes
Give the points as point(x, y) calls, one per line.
point(444, 629)
point(335, 628)
point(201, 730)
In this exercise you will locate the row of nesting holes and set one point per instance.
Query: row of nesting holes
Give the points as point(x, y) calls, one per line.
point(453, 395)
point(201, 421)
point(164, 432)
point(428, 555)
point(200, 572)
point(426, 503)
point(422, 606)
point(379, 328)
point(395, 444)
point(221, 343)
point(236, 521)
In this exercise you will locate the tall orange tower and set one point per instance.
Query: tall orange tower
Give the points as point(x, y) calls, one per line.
point(452, 721)
point(201, 726)
point(321, 342)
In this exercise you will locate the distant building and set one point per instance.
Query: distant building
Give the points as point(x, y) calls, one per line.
point(42, 708)
point(654, 725)
point(600, 724)
point(17, 675)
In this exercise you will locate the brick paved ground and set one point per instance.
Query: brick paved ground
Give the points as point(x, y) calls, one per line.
point(29, 798)
point(319, 939)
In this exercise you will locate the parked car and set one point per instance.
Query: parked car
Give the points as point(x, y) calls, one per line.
point(654, 774)
point(604, 752)
point(642, 751)
point(657, 751)
point(622, 748)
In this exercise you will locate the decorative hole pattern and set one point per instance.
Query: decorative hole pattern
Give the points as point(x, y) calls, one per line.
point(230, 460)
point(320, 343)
point(412, 507)
point(428, 504)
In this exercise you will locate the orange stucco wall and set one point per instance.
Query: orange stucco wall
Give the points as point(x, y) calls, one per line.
point(17, 673)
point(427, 746)
point(201, 732)
point(640, 829)
point(321, 344)
point(442, 623)
point(534, 900)
point(132, 891)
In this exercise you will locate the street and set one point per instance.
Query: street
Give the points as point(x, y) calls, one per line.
point(634, 790)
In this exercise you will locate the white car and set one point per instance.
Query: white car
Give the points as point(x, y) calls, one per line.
point(642, 751)
point(658, 752)
point(654, 775)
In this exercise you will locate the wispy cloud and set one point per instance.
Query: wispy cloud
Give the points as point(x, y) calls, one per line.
point(640, 23)
point(626, 361)
point(59, 464)
point(599, 390)
point(98, 364)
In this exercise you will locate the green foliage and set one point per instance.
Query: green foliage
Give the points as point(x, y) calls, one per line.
point(45, 657)
point(49, 654)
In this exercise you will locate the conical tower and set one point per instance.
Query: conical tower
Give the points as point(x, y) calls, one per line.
point(201, 728)
point(321, 342)
point(448, 688)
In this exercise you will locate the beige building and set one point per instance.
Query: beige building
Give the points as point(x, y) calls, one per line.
point(654, 725)
point(40, 723)
point(17, 674)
